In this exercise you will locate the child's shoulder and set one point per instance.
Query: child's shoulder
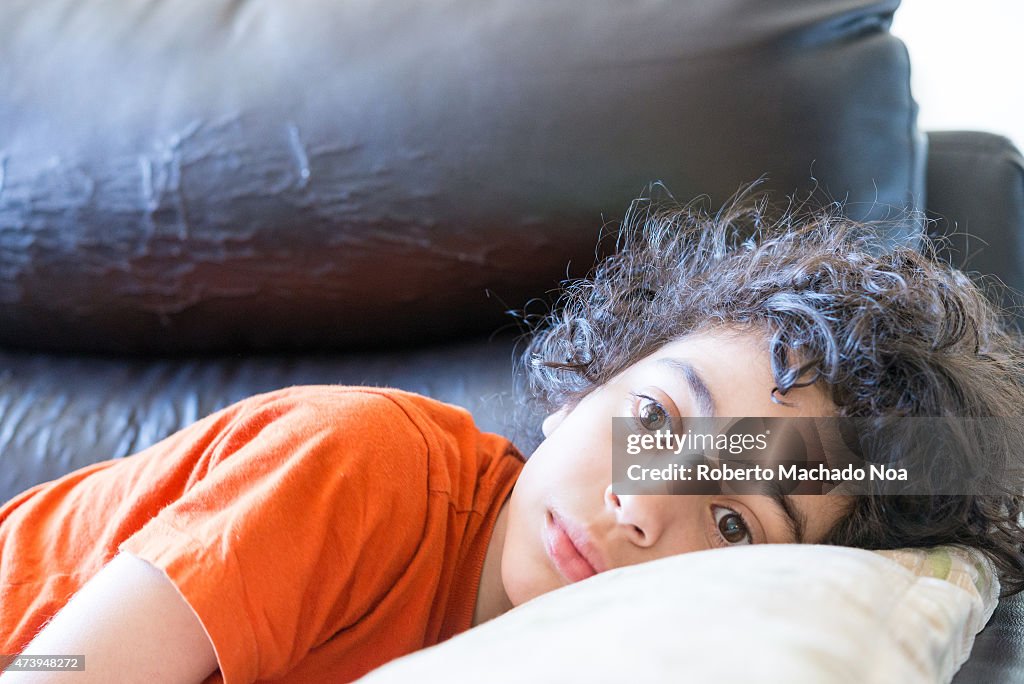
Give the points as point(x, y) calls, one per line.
point(361, 408)
point(348, 397)
point(374, 425)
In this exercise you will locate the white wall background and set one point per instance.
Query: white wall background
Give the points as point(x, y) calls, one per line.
point(967, 63)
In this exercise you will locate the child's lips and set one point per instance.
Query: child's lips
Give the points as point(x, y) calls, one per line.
point(570, 548)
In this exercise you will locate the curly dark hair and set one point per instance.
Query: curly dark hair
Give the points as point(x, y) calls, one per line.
point(885, 330)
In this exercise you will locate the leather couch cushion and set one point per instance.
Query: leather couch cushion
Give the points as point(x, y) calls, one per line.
point(210, 175)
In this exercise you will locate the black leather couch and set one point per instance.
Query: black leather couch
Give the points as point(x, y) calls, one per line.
point(205, 199)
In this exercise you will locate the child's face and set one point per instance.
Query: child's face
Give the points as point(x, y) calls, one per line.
point(564, 522)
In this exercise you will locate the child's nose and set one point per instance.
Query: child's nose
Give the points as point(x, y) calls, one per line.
point(637, 514)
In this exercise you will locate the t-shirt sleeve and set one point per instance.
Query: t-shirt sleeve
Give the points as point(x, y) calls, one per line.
point(313, 505)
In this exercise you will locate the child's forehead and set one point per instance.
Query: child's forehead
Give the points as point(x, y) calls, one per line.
point(730, 350)
point(725, 372)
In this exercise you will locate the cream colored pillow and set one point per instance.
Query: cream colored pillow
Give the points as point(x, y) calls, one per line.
point(766, 613)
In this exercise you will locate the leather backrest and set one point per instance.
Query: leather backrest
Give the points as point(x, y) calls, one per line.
point(209, 175)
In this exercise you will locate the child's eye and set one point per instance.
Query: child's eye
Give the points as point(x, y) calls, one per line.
point(650, 413)
point(731, 527)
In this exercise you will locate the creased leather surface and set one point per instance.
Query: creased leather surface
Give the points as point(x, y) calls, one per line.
point(213, 176)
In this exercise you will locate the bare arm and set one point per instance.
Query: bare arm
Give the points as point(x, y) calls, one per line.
point(131, 624)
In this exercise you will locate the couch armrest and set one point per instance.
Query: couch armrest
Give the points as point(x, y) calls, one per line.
point(975, 190)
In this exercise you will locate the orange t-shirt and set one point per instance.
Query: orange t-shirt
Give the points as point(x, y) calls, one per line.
point(317, 532)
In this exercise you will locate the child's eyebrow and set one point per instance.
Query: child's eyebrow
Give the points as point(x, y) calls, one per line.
point(698, 388)
point(795, 518)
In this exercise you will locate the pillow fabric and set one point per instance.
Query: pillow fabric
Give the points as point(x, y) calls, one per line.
point(766, 613)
